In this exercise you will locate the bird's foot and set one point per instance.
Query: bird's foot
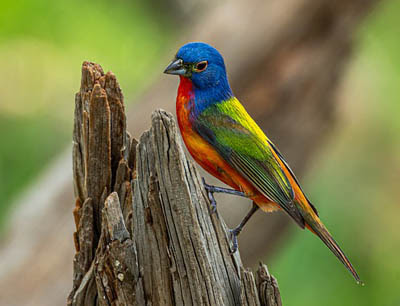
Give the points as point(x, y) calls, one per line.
point(235, 233)
point(210, 191)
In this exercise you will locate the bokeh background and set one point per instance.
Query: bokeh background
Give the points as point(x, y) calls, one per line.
point(353, 179)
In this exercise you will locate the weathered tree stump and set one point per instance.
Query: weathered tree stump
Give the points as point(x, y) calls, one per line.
point(145, 235)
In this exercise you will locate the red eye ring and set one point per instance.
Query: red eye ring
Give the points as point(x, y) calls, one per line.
point(201, 66)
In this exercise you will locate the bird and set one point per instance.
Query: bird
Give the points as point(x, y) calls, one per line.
point(224, 140)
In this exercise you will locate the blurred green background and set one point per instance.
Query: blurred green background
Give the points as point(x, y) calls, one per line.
point(42, 45)
point(360, 164)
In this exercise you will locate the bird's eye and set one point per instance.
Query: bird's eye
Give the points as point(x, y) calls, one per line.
point(201, 66)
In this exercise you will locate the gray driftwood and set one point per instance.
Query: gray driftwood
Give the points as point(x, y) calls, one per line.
point(144, 234)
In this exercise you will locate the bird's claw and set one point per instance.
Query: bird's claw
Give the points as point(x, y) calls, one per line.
point(234, 232)
point(210, 192)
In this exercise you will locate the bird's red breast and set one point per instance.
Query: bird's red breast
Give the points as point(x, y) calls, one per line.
point(201, 151)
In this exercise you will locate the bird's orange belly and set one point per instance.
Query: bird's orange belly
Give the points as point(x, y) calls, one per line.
point(208, 158)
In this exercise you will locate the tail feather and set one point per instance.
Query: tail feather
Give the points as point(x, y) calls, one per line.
point(322, 232)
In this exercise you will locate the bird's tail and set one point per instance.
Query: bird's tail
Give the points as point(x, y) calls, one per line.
point(316, 226)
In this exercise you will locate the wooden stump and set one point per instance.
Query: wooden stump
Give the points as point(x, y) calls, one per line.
point(145, 235)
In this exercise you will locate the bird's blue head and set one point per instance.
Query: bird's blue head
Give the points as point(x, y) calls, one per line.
point(205, 67)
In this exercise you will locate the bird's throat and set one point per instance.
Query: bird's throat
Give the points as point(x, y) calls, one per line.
point(185, 89)
point(199, 99)
point(184, 102)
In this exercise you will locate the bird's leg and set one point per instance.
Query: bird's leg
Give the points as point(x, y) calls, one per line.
point(236, 231)
point(211, 189)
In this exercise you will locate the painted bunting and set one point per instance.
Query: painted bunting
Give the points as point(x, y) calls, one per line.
point(227, 143)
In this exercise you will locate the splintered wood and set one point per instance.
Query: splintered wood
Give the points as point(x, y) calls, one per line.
point(145, 235)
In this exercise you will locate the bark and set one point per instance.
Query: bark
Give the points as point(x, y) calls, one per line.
point(145, 235)
point(284, 58)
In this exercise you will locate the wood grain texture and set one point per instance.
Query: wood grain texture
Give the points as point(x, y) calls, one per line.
point(154, 242)
point(102, 183)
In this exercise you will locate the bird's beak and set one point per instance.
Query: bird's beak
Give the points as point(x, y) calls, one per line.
point(176, 67)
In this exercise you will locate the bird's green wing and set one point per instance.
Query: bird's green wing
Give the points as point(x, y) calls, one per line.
point(246, 149)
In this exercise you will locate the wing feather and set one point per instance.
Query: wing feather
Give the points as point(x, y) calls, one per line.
point(250, 156)
point(268, 184)
point(291, 173)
